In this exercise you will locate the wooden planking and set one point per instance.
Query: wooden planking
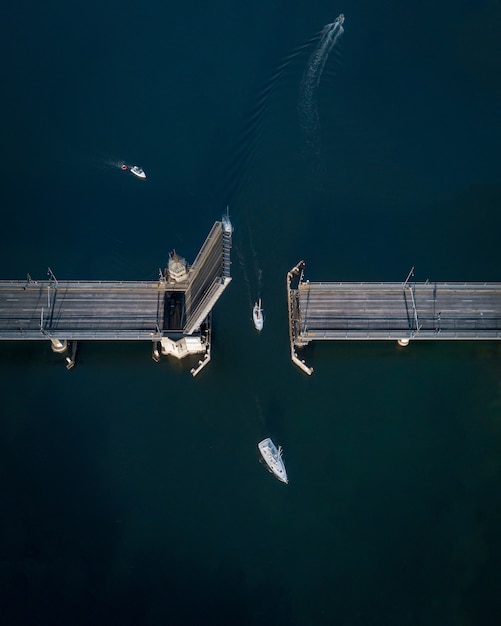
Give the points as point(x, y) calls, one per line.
point(386, 310)
point(135, 308)
point(109, 309)
point(93, 308)
point(207, 267)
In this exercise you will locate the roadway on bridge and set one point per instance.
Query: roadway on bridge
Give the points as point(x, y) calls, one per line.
point(80, 309)
point(390, 311)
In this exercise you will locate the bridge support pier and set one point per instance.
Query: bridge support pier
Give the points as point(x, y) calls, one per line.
point(59, 346)
point(201, 364)
point(180, 348)
point(300, 363)
point(155, 355)
point(70, 360)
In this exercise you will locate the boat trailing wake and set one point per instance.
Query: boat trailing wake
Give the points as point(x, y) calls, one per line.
point(249, 264)
point(307, 107)
point(111, 163)
point(258, 272)
point(243, 267)
point(237, 168)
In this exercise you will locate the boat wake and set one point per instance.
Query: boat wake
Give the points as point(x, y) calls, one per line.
point(105, 163)
point(258, 272)
point(260, 411)
point(307, 107)
point(243, 267)
point(251, 271)
point(239, 164)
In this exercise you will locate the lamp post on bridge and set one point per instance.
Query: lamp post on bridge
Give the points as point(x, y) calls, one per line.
point(409, 276)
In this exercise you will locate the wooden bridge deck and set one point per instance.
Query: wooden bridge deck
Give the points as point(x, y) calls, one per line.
point(77, 310)
point(430, 310)
point(387, 311)
point(81, 309)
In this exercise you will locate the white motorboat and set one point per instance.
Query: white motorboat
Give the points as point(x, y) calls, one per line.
point(257, 315)
point(273, 458)
point(138, 171)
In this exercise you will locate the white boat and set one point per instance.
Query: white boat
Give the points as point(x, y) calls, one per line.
point(257, 315)
point(273, 458)
point(138, 171)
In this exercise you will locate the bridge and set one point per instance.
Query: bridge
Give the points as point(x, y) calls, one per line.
point(405, 311)
point(173, 312)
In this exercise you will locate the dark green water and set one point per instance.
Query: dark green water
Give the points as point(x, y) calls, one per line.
point(133, 494)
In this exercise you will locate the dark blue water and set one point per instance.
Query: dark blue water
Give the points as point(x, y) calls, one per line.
point(133, 494)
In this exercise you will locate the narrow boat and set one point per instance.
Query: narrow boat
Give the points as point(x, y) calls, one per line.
point(138, 171)
point(273, 458)
point(257, 315)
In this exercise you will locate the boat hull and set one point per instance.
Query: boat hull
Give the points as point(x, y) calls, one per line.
point(137, 171)
point(257, 316)
point(273, 459)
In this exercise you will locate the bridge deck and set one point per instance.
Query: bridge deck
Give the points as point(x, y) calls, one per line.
point(75, 310)
point(81, 309)
point(391, 311)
